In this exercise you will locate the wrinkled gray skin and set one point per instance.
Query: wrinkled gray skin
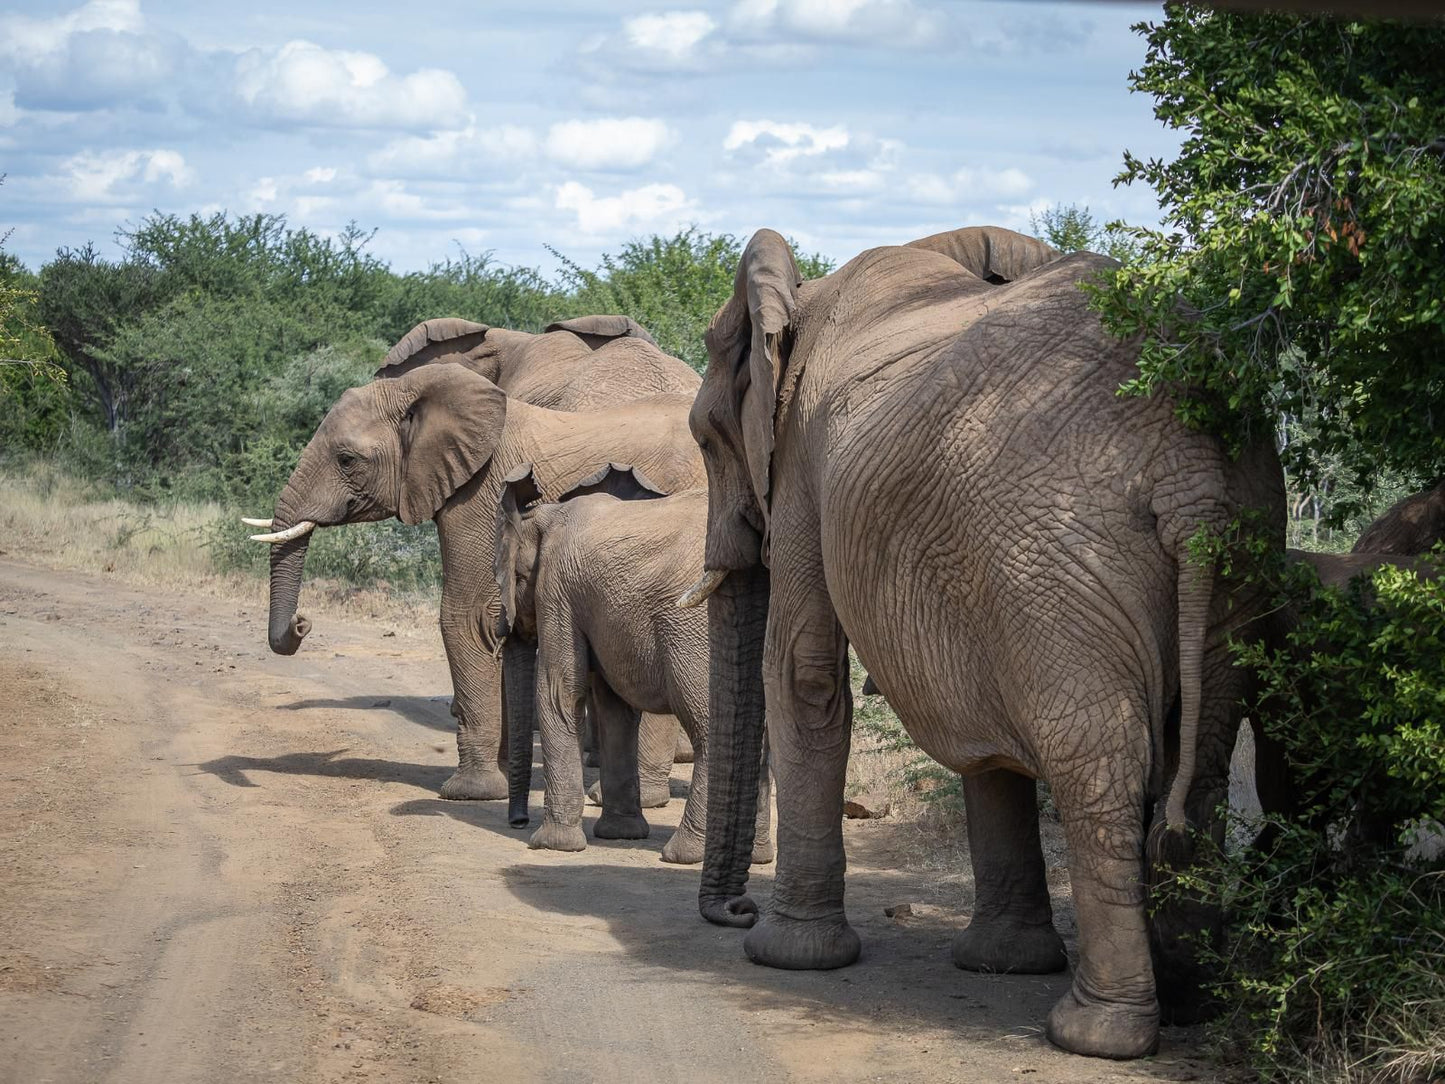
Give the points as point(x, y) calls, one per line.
point(939, 471)
point(591, 584)
point(436, 443)
point(1409, 527)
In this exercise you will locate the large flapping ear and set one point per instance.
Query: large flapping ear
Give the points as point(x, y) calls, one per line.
point(597, 331)
point(450, 420)
point(432, 340)
point(519, 492)
point(992, 253)
point(619, 480)
point(753, 332)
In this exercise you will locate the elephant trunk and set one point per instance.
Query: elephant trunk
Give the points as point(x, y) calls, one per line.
point(285, 627)
point(737, 620)
point(519, 696)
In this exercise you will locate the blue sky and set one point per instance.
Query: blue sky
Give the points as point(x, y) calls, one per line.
point(575, 124)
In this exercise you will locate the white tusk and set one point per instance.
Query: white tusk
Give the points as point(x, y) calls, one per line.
point(698, 593)
point(249, 522)
point(304, 527)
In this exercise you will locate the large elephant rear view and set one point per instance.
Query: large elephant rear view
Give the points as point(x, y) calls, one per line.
point(938, 470)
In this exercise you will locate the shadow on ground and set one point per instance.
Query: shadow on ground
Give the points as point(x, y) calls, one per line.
point(429, 711)
point(233, 769)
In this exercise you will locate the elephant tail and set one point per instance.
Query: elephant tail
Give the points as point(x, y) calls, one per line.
point(1196, 583)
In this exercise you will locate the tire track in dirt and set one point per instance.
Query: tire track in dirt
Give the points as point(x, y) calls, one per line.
point(220, 864)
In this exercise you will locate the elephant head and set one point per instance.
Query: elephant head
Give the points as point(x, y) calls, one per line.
point(747, 386)
point(397, 447)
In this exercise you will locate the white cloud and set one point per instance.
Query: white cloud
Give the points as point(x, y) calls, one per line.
point(660, 207)
point(672, 34)
point(303, 83)
point(781, 143)
point(319, 175)
point(969, 185)
point(861, 22)
point(465, 148)
point(620, 143)
point(91, 177)
point(23, 37)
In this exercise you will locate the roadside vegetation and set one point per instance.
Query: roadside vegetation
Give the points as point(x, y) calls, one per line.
point(151, 398)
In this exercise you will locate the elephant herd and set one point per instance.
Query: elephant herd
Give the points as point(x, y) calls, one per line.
point(922, 456)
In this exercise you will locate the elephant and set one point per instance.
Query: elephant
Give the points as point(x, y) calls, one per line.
point(587, 586)
point(1278, 787)
point(436, 442)
point(1408, 527)
point(939, 471)
point(583, 364)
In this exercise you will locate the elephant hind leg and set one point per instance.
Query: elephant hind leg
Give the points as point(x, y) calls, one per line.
point(1111, 1010)
point(617, 725)
point(1012, 930)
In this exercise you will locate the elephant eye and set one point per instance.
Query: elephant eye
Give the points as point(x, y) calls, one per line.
point(346, 460)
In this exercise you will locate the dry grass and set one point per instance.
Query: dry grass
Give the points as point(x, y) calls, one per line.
point(52, 520)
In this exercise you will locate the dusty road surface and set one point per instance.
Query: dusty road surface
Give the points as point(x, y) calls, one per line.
point(220, 865)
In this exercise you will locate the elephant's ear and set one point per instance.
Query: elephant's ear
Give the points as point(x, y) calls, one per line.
point(519, 492)
point(992, 253)
point(616, 480)
point(450, 420)
point(597, 331)
point(753, 333)
point(431, 341)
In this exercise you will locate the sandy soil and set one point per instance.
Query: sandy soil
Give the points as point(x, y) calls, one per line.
point(221, 865)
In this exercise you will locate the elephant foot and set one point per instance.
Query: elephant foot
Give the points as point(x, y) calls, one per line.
point(594, 793)
point(655, 797)
point(621, 826)
point(1009, 948)
point(1103, 1029)
point(553, 836)
point(763, 852)
point(802, 944)
point(485, 785)
point(684, 848)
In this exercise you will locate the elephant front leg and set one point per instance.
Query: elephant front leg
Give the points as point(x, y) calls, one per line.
point(1012, 930)
point(560, 696)
point(809, 724)
point(477, 708)
point(617, 725)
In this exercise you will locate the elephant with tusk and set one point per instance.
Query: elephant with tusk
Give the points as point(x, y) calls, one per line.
point(432, 438)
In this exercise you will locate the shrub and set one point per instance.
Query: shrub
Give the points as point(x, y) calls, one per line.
point(1333, 960)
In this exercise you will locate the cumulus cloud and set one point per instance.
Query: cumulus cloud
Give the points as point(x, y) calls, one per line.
point(92, 177)
point(671, 35)
point(303, 83)
point(660, 207)
point(96, 56)
point(967, 185)
point(609, 143)
point(466, 149)
point(781, 143)
point(861, 22)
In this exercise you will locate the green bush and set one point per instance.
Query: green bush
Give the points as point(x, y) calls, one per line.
point(1333, 961)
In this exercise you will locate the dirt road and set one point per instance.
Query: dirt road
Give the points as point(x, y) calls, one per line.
point(221, 865)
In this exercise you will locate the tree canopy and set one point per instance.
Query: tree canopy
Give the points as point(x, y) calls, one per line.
point(1298, 272)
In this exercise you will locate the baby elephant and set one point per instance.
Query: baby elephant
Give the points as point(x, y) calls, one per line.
point(589, 588)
